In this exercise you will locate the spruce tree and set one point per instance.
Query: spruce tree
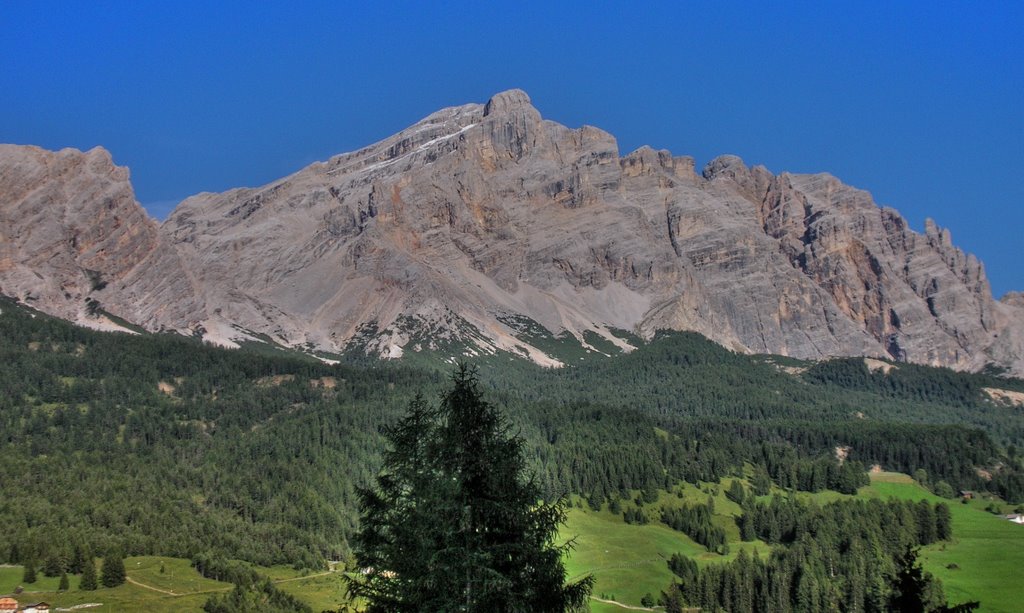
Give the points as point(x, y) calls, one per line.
point(64, 584)
point(397, 529)
point(736, 492)
point(88, 581)
point(454, 524)
point(672, 599)
point(943, 522)
point(910, 586)
point(112, 573)
point(29, 576)
point(54, 565)
point(76, 565)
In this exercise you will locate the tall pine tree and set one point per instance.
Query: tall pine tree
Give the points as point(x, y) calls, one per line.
point(88, 581)
point(454, 523)
point(29, 576)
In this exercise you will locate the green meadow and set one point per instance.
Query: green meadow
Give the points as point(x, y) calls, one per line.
point(177, 588)
point(985, 559)
point(629, 561)
point(983, 562)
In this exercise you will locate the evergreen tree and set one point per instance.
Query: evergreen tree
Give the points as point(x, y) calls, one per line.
point(925, 515)
point(88, 581)
point(54, 565)
point(748, 531)
point(672, 599)
point(686, 569)
point(736, 492)
point(261, 595)
point(76, 565)
point(454, 524)
point(912, 589)
point(64, 584)
point(650, 495)
point(112, 573)
point(29, 576)
point(761, 482)
point(394, 545)
point(943, 522)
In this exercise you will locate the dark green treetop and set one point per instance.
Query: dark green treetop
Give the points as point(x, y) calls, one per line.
point(454, 524)
point(112, 573)
point(88, 581)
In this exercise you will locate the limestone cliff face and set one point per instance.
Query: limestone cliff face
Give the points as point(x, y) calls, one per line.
point(481, 215)
point(71, 233)
point(921, 297)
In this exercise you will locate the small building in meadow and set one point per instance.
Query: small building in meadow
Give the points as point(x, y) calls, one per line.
point(8, 605)
point(1016, 518)
point(39, 607)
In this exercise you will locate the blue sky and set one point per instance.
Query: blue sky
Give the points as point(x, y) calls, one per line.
point(921, 103)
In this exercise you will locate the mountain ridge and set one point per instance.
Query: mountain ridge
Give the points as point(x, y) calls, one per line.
point(483, 214)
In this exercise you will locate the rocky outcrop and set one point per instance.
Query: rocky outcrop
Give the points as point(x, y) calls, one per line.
point(922, 298)
point(484, 215)
point(74, 242)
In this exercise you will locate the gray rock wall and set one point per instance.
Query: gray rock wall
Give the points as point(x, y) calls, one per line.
point(482, 211)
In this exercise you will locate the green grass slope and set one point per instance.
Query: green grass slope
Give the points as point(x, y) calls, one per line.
point(987, 551)
point(628, 561)
point(178, 588)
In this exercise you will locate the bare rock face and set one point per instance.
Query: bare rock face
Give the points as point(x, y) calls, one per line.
point(73, 241)
point(482, 217)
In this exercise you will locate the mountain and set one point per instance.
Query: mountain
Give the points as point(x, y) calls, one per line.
point(72, 234)
point(483, 228)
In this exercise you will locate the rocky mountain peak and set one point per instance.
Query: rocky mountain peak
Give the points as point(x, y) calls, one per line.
point(729, 166)
point(484, 227)
point(507, 101)
point(98, 158)
point(937, 236)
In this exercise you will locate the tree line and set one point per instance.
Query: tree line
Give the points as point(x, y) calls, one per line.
point(850, 555)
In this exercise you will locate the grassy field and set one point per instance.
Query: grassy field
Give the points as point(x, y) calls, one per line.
point(629, 561)
point(987, 552)
point(178, 588)
point(322, 592)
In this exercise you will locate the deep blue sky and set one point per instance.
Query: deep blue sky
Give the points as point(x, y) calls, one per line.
point(920, 103)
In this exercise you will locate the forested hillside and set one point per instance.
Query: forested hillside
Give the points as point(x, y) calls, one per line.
point(158, 444)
